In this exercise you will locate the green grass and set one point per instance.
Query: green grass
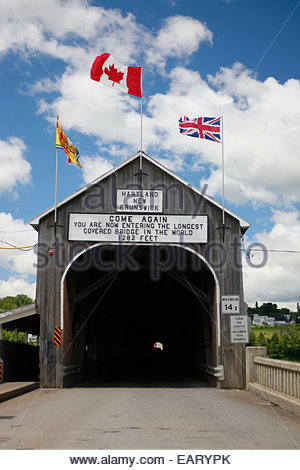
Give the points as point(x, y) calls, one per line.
point(285, 345)
point(268, 331)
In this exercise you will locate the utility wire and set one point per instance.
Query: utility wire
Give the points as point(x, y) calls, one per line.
point(14, 247)
point(17, 231)
point(273, 251)
point(24, 248)
point(265, 250)
point(276, 36)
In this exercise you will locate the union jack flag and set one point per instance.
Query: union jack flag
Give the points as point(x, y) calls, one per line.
point(201, 127)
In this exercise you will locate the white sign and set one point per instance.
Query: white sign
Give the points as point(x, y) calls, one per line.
point(239, 329)
point(139, 200)
point(138, 228)
point(230, 304)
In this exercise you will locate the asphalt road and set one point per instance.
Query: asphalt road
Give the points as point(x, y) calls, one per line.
point(166, 416)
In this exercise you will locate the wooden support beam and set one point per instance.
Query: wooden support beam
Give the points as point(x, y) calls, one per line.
point(92, 288)
point(215, 331)
point(188, 285)
point(68, 353)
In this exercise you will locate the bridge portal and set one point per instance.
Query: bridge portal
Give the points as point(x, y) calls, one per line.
point(140, 257)
point(164, 294)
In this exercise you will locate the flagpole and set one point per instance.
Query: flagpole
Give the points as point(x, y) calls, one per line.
point(223, 178)
point(55, 205)
point(141, 119)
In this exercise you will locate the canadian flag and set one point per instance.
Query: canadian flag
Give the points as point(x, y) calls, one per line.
point(109, 72)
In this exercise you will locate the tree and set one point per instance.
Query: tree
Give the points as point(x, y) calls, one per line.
point(273, 346)
point(268, 309)
point(285, 311)
point(284, 344)
point(10, 302)
point(9, 335)
point(261, 340)
point(252, 338)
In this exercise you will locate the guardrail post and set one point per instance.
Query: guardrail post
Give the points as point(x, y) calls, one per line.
point(251, 353)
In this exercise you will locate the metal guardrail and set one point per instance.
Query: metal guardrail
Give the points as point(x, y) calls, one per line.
point(73, 369)
point(215, 371)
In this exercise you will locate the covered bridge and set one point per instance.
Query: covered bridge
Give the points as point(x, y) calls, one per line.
point(137, 258)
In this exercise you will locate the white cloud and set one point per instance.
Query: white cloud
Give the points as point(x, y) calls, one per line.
point(95, 110)
point(93, 167)
point(15, 169)
point(260, 118)
point(238, 190)
point(76, 31)
point(15, 232)
point(278, 279)
point(261, 135)
point(179, 36)
point(68, 29)
point(14, 286)
point(38, 17)
point(174, 163)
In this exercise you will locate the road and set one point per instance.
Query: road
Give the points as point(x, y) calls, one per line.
point(165, 416)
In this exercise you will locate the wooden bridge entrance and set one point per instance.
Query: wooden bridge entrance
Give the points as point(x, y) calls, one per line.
point(140, 257)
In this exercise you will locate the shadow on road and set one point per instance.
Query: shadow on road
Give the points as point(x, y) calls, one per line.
point(154, 373)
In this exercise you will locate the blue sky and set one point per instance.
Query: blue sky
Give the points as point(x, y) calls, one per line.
point(237, 58)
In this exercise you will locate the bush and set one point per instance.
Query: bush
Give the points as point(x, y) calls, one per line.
point(252, 338)
point(273, 346)
point(8, 335)
point(261, 340)
point(284, 346)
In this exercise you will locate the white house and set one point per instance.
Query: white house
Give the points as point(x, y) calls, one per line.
point(260, 320)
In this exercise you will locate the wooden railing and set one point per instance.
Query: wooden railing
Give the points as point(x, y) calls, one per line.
point(280, 376)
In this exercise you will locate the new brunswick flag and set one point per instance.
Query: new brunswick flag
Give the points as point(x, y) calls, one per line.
point(62, 142)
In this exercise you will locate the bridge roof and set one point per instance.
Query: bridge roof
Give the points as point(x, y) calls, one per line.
point(24, 318)
point(36, 220)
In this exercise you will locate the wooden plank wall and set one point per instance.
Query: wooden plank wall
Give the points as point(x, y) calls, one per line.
point(101, 198)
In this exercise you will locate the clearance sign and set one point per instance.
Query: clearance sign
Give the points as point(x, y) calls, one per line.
point(138, 228)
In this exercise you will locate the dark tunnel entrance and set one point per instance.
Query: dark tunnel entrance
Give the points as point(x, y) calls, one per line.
point(138, 313)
